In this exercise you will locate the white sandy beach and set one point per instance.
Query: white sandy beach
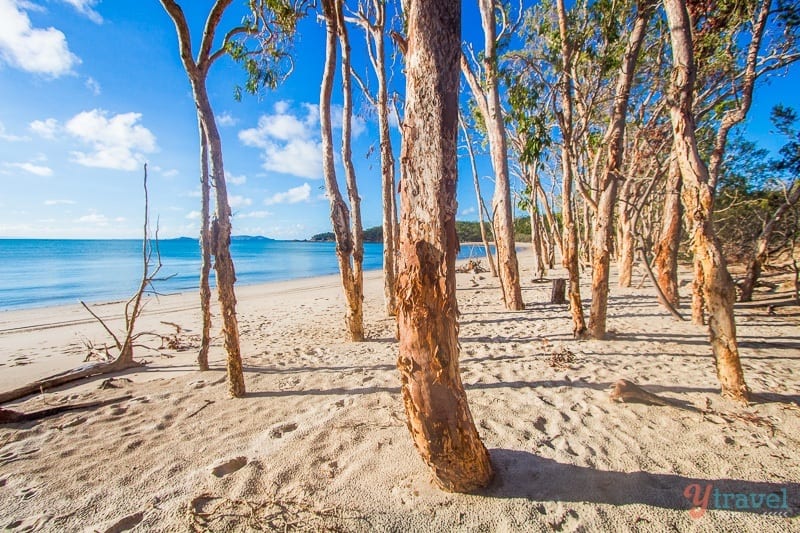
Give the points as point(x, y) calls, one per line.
point(319, 442)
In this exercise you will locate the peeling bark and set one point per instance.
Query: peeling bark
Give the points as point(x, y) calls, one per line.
point(570, 239)
point(435, 402)
point(612, 175)
point(666, 258)
point(698, 199)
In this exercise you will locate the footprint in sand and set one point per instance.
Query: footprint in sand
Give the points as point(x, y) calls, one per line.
point(27, 493)
point(281, 430)
point(229, 467)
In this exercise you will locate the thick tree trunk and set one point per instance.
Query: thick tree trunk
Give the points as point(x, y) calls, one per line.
point(698, 198)
point(205, 251)
point(570, 240)
point(666, 253)
point(340, 215)
point(436, 405)
point(759, 256)
point(612, 175)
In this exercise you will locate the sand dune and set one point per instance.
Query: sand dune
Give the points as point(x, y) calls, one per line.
point(320, 443)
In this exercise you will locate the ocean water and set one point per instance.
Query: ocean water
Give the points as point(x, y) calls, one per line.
point(43, 272)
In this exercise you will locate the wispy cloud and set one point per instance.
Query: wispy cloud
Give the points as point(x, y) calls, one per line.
point(59, 202)
point(35, 50)
point(46, 129)
point(5, 136)
point(255, 214)
point(38, 170)
point(292, 196)
point(117, 142)
point(236, 180)
point(86, 8)
point(93, 86)
point(239, 201)
point(226, 119)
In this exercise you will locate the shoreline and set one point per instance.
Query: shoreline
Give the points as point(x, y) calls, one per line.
point(321, 433)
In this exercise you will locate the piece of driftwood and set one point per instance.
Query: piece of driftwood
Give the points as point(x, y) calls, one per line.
point(629, 392)
point(558, 292)
point(9, 416)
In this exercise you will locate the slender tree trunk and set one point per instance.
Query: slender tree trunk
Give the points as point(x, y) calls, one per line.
point(627, 222)
point(555, 233)
point(340, 215)
point(698, 198)
point(488, 97)
point(570, 240)
point(536, 226)
point(612, 175)
point(759, 256)
point(436, 404)
point(666, 259)
point(205, 250)
point(355, 295)
point(478, 198)
point(221, 243)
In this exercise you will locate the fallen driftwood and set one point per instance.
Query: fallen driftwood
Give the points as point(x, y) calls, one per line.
point(9, 416)
point(629, 392)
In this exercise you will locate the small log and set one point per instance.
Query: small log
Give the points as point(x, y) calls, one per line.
point(9, 416)
point(558, 293)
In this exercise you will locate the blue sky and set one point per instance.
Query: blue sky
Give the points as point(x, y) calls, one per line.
point(92, 89)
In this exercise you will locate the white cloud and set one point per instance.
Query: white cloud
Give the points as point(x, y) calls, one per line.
point(289, 142)
point(38, 170)
point(36, 50)
point(171, 173)
point(292, 196)
point(193, 215)
point(94, 218)
point(468, 211)
point(93, 85)
point(86, 8)
point(357, 123)
point(5, 136)
point(44, 128)
point(239, 201)
point(255, 214)
point(117, 142)
point(59, 202)
point(226, 119)
point(235, 180)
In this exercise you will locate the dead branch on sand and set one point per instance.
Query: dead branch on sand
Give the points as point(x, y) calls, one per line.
point(9, 416)
point(151, 265)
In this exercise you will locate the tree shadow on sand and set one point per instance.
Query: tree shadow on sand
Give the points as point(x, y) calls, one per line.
point(520, 474)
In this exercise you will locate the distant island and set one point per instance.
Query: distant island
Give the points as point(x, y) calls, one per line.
point(467, 232)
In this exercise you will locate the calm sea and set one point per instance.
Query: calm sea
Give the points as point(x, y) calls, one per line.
point(41, 272)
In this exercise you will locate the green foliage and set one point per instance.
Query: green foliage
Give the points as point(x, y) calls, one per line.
point(263, 43)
